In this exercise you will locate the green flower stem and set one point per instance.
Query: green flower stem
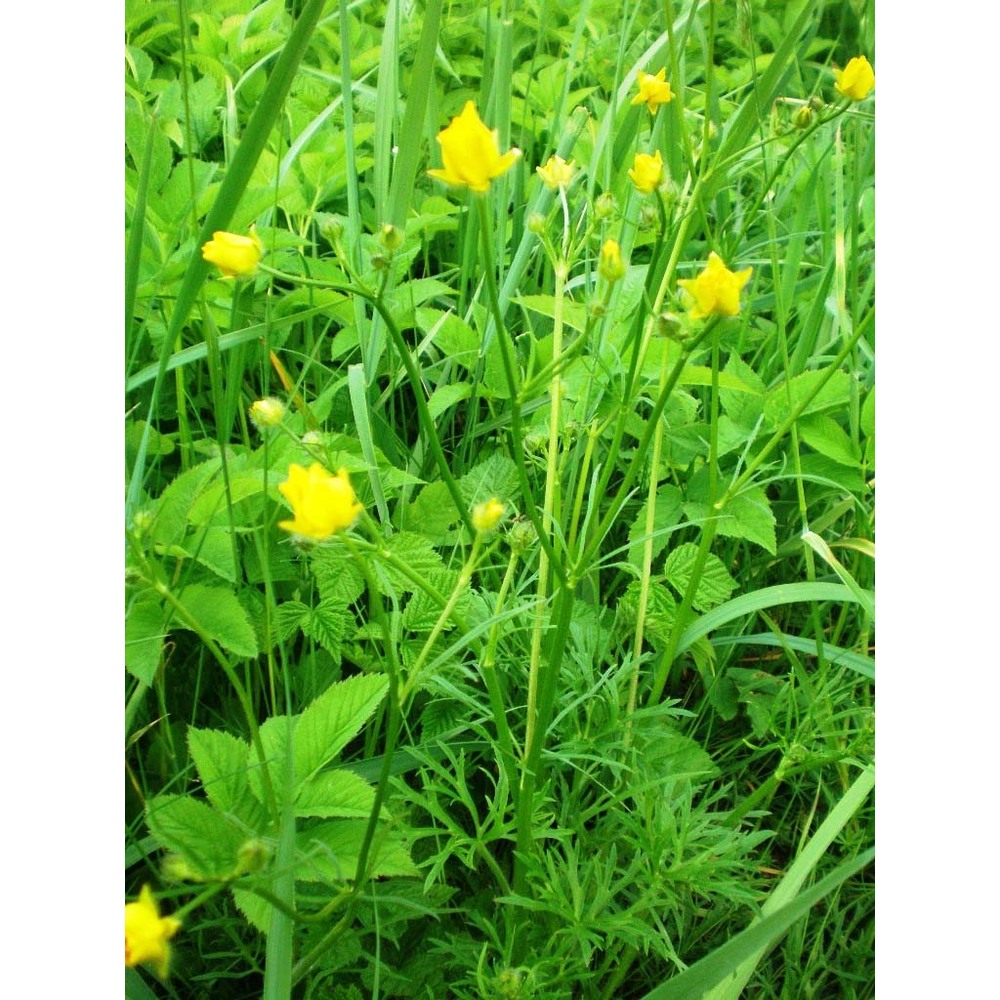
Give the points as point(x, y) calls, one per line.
point(550, 515)
point(192, 623)
point(593, 434)
point(510, 373)
point(393, 726)
point(461, 584)
point(427, 425)
point(662, 673)
point(647, 557)
point(492, 682)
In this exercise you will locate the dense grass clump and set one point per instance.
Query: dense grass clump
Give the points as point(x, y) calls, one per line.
point(500, 512)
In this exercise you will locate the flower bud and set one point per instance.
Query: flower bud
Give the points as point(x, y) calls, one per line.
point(380, 262)
point(803, 117)
point(252, 856)
point(605, 207)
point(556, 173)
point(522, 535)
point(391, 238)
point(611, 267)
point(331, 229)
point(536, 223)
point(175, 869)
point(486, 516)
point(649, 216)
point(267, 412)
point(670, 325)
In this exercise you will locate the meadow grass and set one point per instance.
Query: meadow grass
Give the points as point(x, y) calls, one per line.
point(563, 688)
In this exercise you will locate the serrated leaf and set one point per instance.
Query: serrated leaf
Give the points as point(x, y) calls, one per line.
point(715, 584)
point(334, 848)
point(666, 515)
point(289, 618)
point(335, 794)
point(213, 547)
point(144, 637)
point(445, 396)
point(256, 910)
point(826, 436)
point(494, 477)
point(221, 760)
point(781, 401)
point(213, 501)
point(417, 554)
point(327, 624)
point(432, 512)
point(202, 836)
point(221, 616)
point(334, 718)
point(574, 314)
point(742, 408)
point(661, 612)
point(422, 611)
point(748, 515)
point(337, 576)
point(171, 509)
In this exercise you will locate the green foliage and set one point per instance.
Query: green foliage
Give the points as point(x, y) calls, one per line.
point(489, 793)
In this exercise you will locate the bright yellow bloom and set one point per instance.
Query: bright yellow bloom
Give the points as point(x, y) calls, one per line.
point(147, 933)
point(856, 79)
point(647, 172)
point(611, 267)
point(322, 504)
point(470, 152)
point(486, 516)
point(653, 90)
point(235, 256)
point(716, 291)
point(267, 412)
point(557, 173)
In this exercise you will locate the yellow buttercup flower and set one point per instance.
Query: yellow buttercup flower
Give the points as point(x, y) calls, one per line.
point(856, 79)
point(322, 504)
point(647, 172)
point(147, 933)
point(653, 90)
point(486, 516)
point(470, 152)
point(556, 173)
point(716, 291)
point(235, 256)
point(610, 266)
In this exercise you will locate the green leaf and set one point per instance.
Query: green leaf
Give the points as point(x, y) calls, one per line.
point(826, 436)
point(742, 408)
point(747, 515)
point(666, 515)
point(144, 637)
point(445, 396)
point(334, 848)
point(416, 553)
point(337, 576)
point(715, 584)
point(203, 837)
point(661, 612)
point(327, 624)
point(494, 477)
point(574, 313)
point(221, 616)
point(335, 794)
point(432, 512)
point(221, 760)
point(326, 726)
point(780, 401)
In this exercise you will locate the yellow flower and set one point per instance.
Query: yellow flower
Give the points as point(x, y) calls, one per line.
point(147, 933)
point(611, 267)
point(653, 90)
point(647, 172)
point(267, 412)
point(235, 256)
point(322, 504)
point(856, 79)
point(557, 173)
point(716, 291)
point(471, 152)
point(486, 516)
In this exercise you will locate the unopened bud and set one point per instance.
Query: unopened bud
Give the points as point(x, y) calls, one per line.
point(536, 223)
point(486, 516)
point(267, 412)
point(605, 207)
point(252, 856)
point(611, 267)
point(803, 117)
point(391, 238)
